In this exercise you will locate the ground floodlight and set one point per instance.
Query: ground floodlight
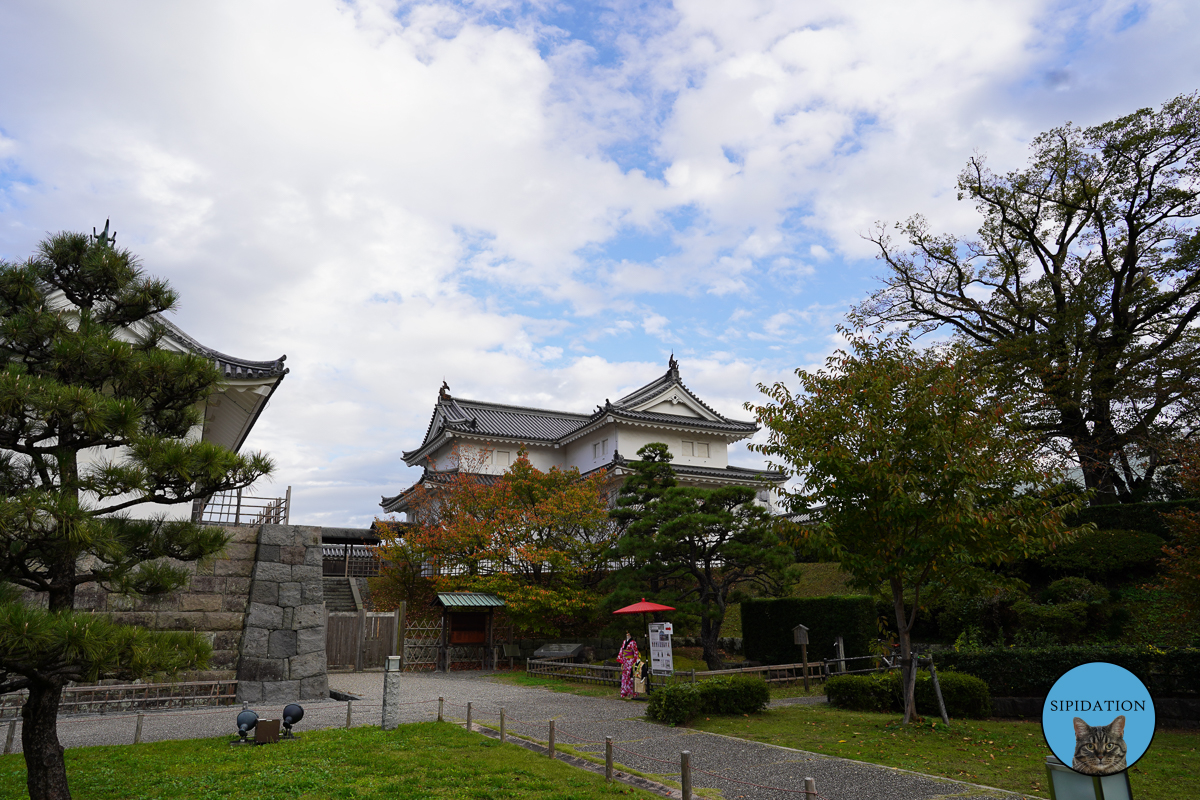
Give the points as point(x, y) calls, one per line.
point(292, 713)
point(246, 721)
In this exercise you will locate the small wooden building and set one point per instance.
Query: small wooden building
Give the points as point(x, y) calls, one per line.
point(467, 623)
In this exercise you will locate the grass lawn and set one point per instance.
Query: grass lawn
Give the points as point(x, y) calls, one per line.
point(1007, 755)
point(414, 761)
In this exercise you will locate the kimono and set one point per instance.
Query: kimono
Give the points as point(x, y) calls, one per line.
point(628, 658)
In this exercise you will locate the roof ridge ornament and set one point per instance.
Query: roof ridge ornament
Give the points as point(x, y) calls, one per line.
point(102, 238)
point(444, 392)
point(673, 367)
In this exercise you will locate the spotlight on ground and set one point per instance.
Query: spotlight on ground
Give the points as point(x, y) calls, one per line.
point(292, 713)
point(246, 721)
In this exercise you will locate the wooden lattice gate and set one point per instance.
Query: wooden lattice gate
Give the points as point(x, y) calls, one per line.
point(421, 641)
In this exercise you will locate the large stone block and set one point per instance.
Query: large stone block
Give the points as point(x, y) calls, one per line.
point(119, 602)
point(310, 640)
point(235, 569)
point(303, 572)
point(268, 571)
point(243, 533)
point(226, 640)
point(282, 644)
point(255, 642)
point(281, 692)
point(206, 584)
point(313, 557)
point(309, 535)
point(315, 688)
point(235, 602)
point(265, 592)
point(223, 659)
point(279, 534)
point(182, 621)
point(293, 554)
point(261, 615)
point(268, 553)
point(207, 567)
point(140, 619)
point(238, 586)
point(199, 602)
point(223, 621)
point(169, 602)
point(240, 551)
point(261, 669)
point(312, 591)
point(307, 666)
point(249, 691)
point(289, 594)
point(309, 615)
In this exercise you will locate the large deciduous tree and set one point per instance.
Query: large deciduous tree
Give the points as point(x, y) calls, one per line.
point(694, 547)
point(1082, 286)
point(95, 420)
point(914, 474)
point(538, 539)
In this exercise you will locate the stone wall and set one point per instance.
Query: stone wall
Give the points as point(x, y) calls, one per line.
point(214, 603)
point(283, 638)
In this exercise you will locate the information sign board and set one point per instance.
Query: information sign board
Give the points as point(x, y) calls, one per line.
point(660, 649)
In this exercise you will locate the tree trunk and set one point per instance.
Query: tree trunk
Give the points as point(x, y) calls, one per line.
point(46, 771)
point(908, 673)
point(710, 631)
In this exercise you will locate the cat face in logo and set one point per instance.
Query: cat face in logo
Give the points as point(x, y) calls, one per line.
point(1100, 749)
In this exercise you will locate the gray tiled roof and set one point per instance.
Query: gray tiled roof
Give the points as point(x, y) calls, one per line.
point(400, 502)
point(232, 368)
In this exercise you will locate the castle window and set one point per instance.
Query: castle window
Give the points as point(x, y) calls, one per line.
point(600, 448)
point(689, 448)
point(702, 449)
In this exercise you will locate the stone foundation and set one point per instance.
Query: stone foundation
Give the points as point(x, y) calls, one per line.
point(283, 637)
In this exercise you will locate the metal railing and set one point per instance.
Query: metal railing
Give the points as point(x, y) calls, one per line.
point(236, 508)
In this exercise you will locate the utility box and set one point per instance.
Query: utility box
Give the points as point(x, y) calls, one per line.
point(266, 731)
point(800, 634)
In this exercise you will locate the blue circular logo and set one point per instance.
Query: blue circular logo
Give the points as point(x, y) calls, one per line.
point(1098, 719)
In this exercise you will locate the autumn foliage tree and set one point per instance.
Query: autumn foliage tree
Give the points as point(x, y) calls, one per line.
point(914, 475)
point(1181, 562)
point(538, 539)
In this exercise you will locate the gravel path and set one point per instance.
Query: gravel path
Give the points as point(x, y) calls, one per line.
point(740, 769)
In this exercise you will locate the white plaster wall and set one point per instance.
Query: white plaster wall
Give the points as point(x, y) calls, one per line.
point(578, 453)
point(632, 438)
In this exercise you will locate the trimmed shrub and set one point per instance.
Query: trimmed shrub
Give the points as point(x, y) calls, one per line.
point(1064, 622)
point(767, 627)
point(734, 694)
point(879, 692)
point(1106, 554)
point(675, 704)
point(1072, 590)
point(964, 695)
point(1030, 672)
point(1144, 517)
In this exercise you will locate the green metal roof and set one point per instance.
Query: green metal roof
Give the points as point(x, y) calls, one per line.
point(468, 600)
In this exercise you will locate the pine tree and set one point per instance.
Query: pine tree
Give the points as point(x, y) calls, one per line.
point(94, 420)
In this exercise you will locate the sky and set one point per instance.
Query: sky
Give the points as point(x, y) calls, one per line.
point(536, 202)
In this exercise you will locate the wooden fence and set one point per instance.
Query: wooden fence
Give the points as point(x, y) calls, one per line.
point(590, 673)
point(361, 640)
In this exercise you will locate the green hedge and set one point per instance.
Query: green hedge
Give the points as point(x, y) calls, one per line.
point(734, 694)
point(1143, 517)
point(767, 627)
point(1106, 554)
point(964, 695)
point(1030, 672)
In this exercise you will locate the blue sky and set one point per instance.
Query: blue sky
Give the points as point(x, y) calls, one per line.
point(536, 202)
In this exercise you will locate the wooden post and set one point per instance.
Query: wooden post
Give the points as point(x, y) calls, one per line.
point(937, 689)
point(551, 751)
point(287, 506)
point(360, 640)
point(804, 658)
point(441, 700)
point(841, 655)
point(137, 734)
point(237, 515)
point(8, 740)
point(810, 787)
point(693, 675)
point(468, 715)
point(349, 712)
point(401, 624)
point(346, 562)
point(685, 770)
point(608, 758)
point(503, 737)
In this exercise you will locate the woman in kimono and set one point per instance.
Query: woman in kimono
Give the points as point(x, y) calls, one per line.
point(628, 658)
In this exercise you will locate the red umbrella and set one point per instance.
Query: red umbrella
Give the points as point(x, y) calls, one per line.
point(642, 608)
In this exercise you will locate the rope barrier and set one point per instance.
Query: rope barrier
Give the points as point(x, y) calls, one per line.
point(805, 792)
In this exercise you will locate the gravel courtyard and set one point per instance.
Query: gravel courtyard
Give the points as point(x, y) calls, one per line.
point(740, 769)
